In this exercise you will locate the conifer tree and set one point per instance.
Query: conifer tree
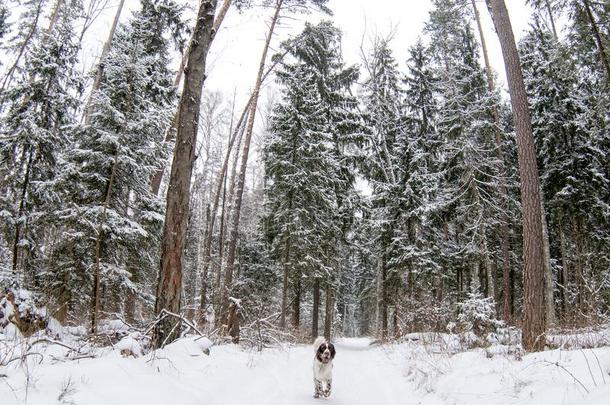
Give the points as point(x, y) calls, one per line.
point(305, 164)
point(113, 217)
point(40, 107)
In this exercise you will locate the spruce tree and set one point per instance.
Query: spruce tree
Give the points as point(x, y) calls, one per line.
point(40, 107)
point(308, 179)
point(114, 220)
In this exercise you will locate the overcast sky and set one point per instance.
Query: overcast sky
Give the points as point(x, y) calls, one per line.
point(236, 51)
point(235, 54)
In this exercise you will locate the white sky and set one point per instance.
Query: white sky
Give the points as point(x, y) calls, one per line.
point(236, 51)
point(235, 54)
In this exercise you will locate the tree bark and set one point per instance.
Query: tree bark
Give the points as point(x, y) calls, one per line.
point(169, 288)
point(96, 294)
point(565, 271)
point(170, 134)
point(286, 266)
point(239, 189)
point(328, 315)
point(99, 72)
point(315, 314)
point(534, 323)
point(296, 304)
point(549, 285)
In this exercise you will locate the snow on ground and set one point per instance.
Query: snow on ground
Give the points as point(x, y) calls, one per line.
point(414, 372)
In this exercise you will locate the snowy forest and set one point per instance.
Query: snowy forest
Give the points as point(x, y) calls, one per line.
point(411, 192)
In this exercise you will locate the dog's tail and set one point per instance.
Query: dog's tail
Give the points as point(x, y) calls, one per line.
point(316, 343)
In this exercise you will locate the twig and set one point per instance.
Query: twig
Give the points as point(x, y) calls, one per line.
point(601, 370)
point(568, 371)
point(589, 367)
point(45, 340)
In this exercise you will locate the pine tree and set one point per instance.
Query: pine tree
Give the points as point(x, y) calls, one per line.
point(534, 323)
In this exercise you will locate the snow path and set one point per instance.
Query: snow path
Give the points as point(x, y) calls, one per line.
point(361, 375)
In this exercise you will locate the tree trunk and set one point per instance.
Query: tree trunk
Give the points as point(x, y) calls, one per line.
point(534, 323)
point(552, 19)
point(315, 312)
point(170, 134)
point(603, 56)
point(549, 285)
point(169, 288)
point(328, 315)
point(286, 266)
point(20, 212)
point(96, 293)
point(296, 304)
point(239, 189)
point(100, 66)
point(504, 229)
point(565, 271)
point(222, 174)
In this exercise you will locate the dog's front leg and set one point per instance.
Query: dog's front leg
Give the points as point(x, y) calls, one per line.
point(328, 387)
point(318, 388)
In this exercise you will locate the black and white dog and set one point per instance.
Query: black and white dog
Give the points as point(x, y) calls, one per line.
point(322, 367)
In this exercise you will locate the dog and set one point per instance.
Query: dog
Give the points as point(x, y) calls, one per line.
point(322, 367)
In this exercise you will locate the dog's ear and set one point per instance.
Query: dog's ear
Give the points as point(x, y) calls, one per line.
point(331, 347)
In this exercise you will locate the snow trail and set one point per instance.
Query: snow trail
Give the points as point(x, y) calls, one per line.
point(362, 374)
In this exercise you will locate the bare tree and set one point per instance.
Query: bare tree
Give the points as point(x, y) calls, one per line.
point(170, 134)
point(239, 188)
point(534, 323)
point(603, 55)
point(99, 71)
point(169, 288)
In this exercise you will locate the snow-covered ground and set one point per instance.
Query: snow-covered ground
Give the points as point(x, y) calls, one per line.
point(408, 373)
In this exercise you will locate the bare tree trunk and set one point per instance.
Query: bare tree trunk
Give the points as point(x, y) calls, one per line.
point(552, 19)
point(565, 271)
point(328, 315)
point(100, 66)
point(222, 174)
point(315, 312)
point(169, 288)
point(96, 293)
point(603, 56)
point(549, 285)
point(296, 305)
point(534, 323)
point(170, 134)
point(504, 229)
point(239, 189)
point(19, 230)
point(286, 266)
